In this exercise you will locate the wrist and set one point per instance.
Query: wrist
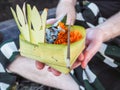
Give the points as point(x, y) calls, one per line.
point(68, 8)
point(12, 66)
point(96, 34)
point(107, 31)
point(110, 27)
point(103, 34)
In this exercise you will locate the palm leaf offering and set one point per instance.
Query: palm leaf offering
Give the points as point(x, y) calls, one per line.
point(47, 43)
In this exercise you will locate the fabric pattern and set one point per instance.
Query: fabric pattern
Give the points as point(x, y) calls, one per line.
point(108, 57)
point(89, 15)
point(8, 52)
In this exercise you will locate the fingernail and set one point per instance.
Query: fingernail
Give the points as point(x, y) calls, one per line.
point(55, 72)
point(39, 65)
point(81, 57)
point(49, 69)
point(83, 64)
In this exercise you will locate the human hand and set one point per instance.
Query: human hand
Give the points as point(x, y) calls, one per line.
point(40, 65)
point(94, 39)
point(67, 7)
point(77, 63)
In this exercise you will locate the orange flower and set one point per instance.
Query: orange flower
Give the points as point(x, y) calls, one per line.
point(62, 35)
point(62, 25)
point(75, 36)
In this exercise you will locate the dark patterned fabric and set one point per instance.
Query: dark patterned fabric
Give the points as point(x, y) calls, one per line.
point(7, 79)
point(103, 71)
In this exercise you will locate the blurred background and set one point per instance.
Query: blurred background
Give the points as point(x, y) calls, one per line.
point(5, 13)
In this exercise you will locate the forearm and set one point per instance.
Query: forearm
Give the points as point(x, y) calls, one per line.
point(110, 28)
point(66, 7)
point(26, 68)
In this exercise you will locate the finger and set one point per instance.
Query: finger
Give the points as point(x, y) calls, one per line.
point(39, 65)
point(49, 69)
point(70, 21)
point(86, 60)
point(81, 57)
point(76, 64)
point(78, 61)
point(70, 18)
point(90, 52)
point(55, 72)
point(51, 21)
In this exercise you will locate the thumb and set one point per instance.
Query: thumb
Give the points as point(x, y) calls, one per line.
point(39, 65)
point(89, 52)
point(51, 21)
point(86, 59)
point(70, 21)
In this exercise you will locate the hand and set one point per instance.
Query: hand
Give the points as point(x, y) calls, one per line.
point(40, 65)
point(94, 39)
point(67, 7)
point(77, 63)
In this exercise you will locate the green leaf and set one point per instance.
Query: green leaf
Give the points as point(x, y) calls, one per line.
point(24, 12)
point(52, 54)
point(44, 18)
point(35, 19)
point(29, 15)
point(20, 15)
point(25, 32)
point(20, 20)
point(15, 18)
point(29, 19)
point(31, 24)
point(64, 19)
